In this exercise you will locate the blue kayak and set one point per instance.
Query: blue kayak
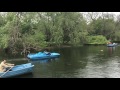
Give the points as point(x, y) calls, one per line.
point(18, 70)
point(112, 45)
point(42, 55)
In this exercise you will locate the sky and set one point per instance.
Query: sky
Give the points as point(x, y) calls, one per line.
point(116, 13)
point(85, 14)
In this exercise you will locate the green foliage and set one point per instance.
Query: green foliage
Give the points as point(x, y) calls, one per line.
point(99, 39)
point(35, 40)
point(3, 41)
point(40, 29)
point(102, 26)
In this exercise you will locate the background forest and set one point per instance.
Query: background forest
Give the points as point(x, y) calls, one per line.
point(23, 31)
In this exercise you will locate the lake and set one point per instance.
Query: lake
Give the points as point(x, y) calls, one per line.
point(75, 62)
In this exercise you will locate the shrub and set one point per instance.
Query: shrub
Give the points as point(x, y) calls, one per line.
point(99, 39)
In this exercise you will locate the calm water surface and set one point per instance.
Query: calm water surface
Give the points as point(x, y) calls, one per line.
point(75, 62)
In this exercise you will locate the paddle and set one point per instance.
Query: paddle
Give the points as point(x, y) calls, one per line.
point(6, 71)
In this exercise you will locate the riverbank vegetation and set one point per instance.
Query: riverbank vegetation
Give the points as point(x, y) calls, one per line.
point(25, 31)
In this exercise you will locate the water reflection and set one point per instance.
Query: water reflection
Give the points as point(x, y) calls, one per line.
point(111, 50)
point(105, 69)
point(43, 60)
point(28, 75)
point(78, 62)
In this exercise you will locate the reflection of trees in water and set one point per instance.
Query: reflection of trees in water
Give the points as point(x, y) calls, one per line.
point(102, 57)
point(44, 60)
point(74, 58)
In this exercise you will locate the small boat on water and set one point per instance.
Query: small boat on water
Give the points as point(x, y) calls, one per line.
point(18, 70)
point(112, 45)
point(42, 55)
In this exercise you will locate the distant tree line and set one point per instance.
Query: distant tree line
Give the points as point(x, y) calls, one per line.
point(35, 30)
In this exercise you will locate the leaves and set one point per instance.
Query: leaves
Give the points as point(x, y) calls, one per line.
point(36, 30)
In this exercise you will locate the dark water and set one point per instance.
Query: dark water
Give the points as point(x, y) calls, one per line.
point(75, 62)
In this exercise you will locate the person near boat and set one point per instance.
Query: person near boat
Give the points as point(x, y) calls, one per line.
point(109, 43)
point(47, 53)
point(4, 66)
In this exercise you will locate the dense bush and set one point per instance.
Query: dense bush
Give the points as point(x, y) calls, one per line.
point(99, 39)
